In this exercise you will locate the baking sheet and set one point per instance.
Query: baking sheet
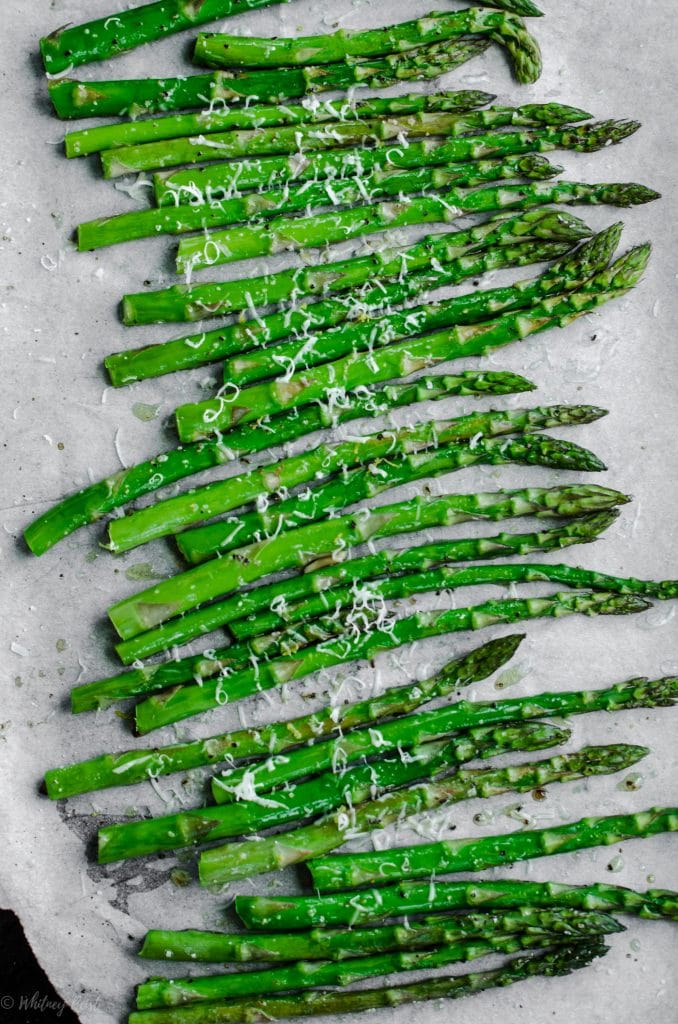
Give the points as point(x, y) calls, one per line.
point(63, 426)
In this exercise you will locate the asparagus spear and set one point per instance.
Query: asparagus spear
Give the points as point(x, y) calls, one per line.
point(250, 562)
point(368, 598)
point(563, 960)
point(205, 122)
point(308, 136)
point(569, 273)
point(351, 870)
point(185, 701)
point(317, 796)
point(404, 358)
point(229, 51)
point(394, 447)
point(329, 498)
point(582, 530)
point(284, 234)
point(306, 974)
point(198, 349)
point(92, 503)
point(126, 227)
point(148, 679)
point(135, 766)
point(285, 913)
point(223, 864)
point(73, 45)
point(432, 725)
point(217, 298)
point(339, 944)
point(215, 181)
point(131, 97)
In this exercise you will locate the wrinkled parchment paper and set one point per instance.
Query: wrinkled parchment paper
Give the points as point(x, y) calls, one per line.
point(62, 426)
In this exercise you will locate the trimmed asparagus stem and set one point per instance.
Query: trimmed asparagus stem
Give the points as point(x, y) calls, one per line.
point(373, 593)
point(352, 870)
point(92, 503)
point(206, 122)
point(286, 234)
point(561, 961)
point(132, 97)
point(223, 864)
point(202, 583)
point(258, 207)
point(72, 46)
point(229, 51)
point(204, 620)
point(136, 766)
point(285, 913)
point(317, 796)
point(185, 701)
point(402, 359)
point(243, 335)
point(319, 944)
point(433, 725)
point(307, 137)
point(411, 452)
point(569, 273)
point(215, 182)
point(187, 303)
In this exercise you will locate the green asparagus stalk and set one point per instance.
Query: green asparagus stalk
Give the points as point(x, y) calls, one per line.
point(286, 913)
point(223, 864)
point(243, 335)
point(176, 632)
point(92, 503)
point(250, 562)
point(216, 181)
point(132, 97)
point(329, 498)
point(309, 544)
point(229, 51)
point(317, 796)
point(569, 273)
point(185, 701)
point(561, 961)
point(307, 974)
point(340, 944)
point(352, 870)
point(73, 45)
point(126, 227)
point(188, 303)
point(428, 726)
point(148, 679)
point(394, 447)
point(368, 598)
point(284, 234)
point(205, 122)
point(308, 136)
point(404, 358)
point(136, 766)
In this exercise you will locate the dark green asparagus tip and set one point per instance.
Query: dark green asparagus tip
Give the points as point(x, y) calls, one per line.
point(603, 133)
point(538, 167)
point(510, 383)
point(485, 660)
point(557, 224)
point(590, 257)
point(628, 194)
point(628, 269)
point(553, 113)
point(589, 527)
point(525, 8)
point(570, 958)
point(620, 604)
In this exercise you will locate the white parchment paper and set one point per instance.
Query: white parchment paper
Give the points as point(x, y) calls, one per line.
point(62, 426)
